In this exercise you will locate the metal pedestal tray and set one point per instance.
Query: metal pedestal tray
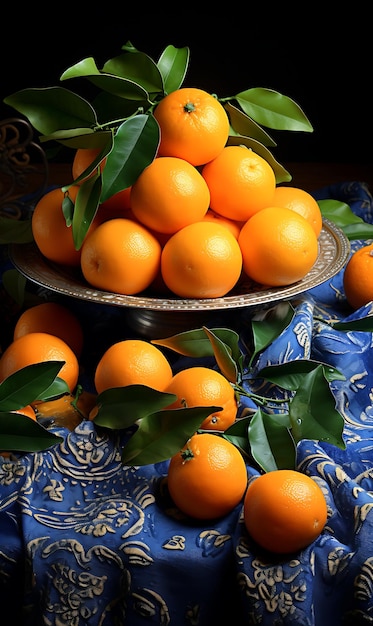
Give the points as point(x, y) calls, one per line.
point(156, 316)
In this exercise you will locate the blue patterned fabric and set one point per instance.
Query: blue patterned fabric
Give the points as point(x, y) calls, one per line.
point(86, 541)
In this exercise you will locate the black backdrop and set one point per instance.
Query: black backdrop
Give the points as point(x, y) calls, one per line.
point(324, 64)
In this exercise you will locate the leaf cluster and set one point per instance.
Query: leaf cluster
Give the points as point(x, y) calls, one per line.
point(118, 120)
point(34, 383)
point(302, 407)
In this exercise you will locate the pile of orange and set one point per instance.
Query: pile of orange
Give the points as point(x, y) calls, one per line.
point(202, 216)
point(283, 510)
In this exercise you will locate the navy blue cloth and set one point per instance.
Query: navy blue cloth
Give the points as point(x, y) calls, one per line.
point(86, 541)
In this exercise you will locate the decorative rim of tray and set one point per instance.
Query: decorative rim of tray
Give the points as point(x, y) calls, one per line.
point(334, 248)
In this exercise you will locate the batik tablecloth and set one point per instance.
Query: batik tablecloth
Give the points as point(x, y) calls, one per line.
point(86, 541)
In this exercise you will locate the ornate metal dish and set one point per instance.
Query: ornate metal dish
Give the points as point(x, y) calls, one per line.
point(334, 250)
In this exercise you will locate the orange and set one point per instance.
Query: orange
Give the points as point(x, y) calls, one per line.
point(132, 362)
point(117, 206)
point(232, 225)
point(83, 158)
point(284, 510)
point(358, 277)
point(240, 182)
point(279, 246)
point(52, 236)
point(52, 318)
point(300, 201)
point(27, 410)
point(38, 348)
point(202, 260)
point(120, 256)
point(202, 386)
point(194, 125)
point(207, 478)
point(169, 194)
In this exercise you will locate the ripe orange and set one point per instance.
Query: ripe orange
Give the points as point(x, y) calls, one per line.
point(284, 510)
point(358, 277)
point(83, 158)
point(207, 478)
point(202, 260)
point(53, 318)
point(279, 246)
point(194, 125)
point(233, 225)
point(300, 201)
point(169, 194)
point(132, 362)
point(38, 348)
point(120, 256)
point(202, 386)
point(27, 410)
point(240, 182)
point(51, 234)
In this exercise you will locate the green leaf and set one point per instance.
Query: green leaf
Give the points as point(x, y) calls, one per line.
point(86, 204)
point(173, 65)
point(191, 343)
point(342, 215)
point(20, 433)
point(68, 209)
point(266, 330)
point(85, 67)
point(292, 374)
point(80, 138)
point(227, 356)
point(53, 108)
point(58, 388)
point(27, 384)
point(365, 324)
point(163, 434)
point(196, 343)
point(281, 174)
point(123, 406)
point(15, 231)
point(135, 146)
point(137, 67)
point(243, 125)
point(238, 435)
point(110, 79)
point(272, 445)
point(312, 411)
point(273, 110)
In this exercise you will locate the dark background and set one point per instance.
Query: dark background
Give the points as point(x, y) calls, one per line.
point(323, 63)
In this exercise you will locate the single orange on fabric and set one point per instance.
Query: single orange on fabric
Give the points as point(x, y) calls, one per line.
point(208, 477)
point(194, 125)
point(358, 277)
point(284, 510)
